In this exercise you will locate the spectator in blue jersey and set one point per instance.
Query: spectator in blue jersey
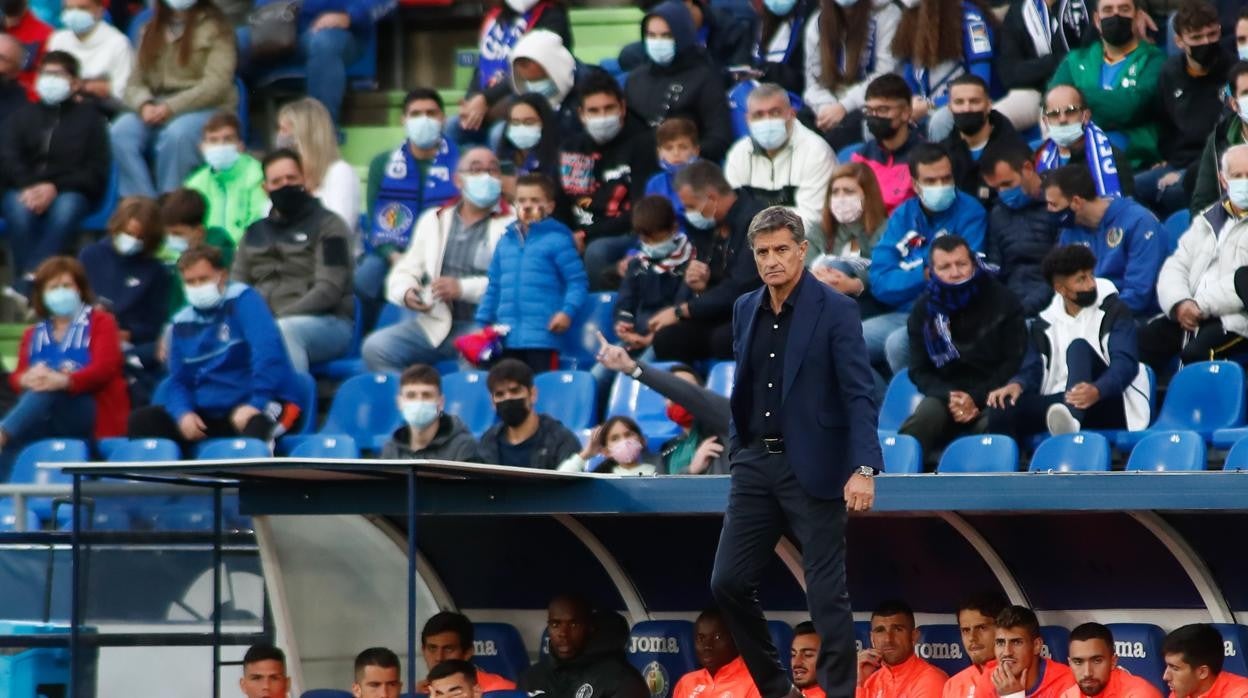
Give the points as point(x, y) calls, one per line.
point(332, 35)
point(1033, 39)
point(936, 41)
point(1127, 239)
point(504, 24)
point(530, 141)
point(781, 56)
point(402, 184)
point(229, 374)
point(441, 276)
point(677, 140)
point(899, 258)
point(847, 47)
point(1073, 137)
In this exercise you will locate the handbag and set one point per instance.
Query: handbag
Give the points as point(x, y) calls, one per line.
point(274, 29)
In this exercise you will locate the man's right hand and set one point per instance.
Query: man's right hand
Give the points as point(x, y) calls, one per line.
point(829, 115)
point(192, 427)
point(1189, 315)
point(613, 357)
point(868, 662)
point(412, 300)
point(1005, 396)
point(1007, 682)
point(472, 112)
point(708, 451)
point(697, 276)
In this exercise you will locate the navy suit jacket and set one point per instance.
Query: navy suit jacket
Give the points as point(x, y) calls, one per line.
point(828, 415)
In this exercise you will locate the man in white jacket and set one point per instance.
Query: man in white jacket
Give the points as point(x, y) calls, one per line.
point(443, 273)
point(781, 162)
point(1205, 317)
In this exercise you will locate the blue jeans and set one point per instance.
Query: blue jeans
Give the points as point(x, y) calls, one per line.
point(1163, 202)
point(601, 256)
point(174, 147)
point(370, 285)
point(311, 339)
point(33, 237)
point(45, 415)
point(404, 343)
point(327, 53)
point(882, 349)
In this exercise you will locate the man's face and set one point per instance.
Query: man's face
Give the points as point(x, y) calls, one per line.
point(1056, 200)
point(442, 646)
point(1092, 661)
point(511, 390)
point(1017, 650)
point(601, 105)
point(657, 28)
point(529, 70)
point(1063, 106)
point(282, 173)
point(56, 70)
point(1068, 287)
point(1111, 8)
point(201, 273)
point(1236, 168)
point(263, 679)
point(773, 107)
point(934, 174)
point(223, 136)
point(968, 98)
point(1211, 34)
point(567, 626)
point(705, 204)
point(424, 392)
point(713, 644)
point(895, 110)
point(894, 637)
point(678, 151)
point(454, 686)
point(803, 657)
point(779, 257)
point(1184, 679)
point(1241, 34)
point(978, 633)
point(475, 162)
point(377, 682)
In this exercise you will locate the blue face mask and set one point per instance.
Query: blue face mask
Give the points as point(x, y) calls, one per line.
point(673, 168)
point(769, 134)
point(62, 301)
point(177, 244)
point(660, 250)
point(780, 8)
point(423, 131)
point(544, 87)
point(524, 137)
point(482, 190)
point(697, 220)
point(1237, 192)
point(1015, 198)
point(661, 51)
point(419, 413)
point(77, 21)
point(1064, 218)
point(938, 198)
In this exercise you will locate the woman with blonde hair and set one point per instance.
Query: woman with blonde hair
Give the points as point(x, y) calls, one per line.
point(305, 126)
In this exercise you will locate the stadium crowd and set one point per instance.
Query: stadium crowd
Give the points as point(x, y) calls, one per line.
point(988, 182)
point(589, 655)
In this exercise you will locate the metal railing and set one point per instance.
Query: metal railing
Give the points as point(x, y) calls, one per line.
point(63, 494)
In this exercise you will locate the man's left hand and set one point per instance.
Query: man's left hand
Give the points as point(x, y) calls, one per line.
point(1083, 396)
point(332, 20)
point(859, 493)
point(446, 288)
point(664, 318)
point(559, 323)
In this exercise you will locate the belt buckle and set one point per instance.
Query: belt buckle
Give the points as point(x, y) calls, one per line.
point(774, 445)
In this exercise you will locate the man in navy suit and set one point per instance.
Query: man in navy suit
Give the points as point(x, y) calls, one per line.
point(803, 448)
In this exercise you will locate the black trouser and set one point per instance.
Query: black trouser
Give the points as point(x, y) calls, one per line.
point(694, 340)
point(1027, 416)
point(1162, 339)
point(154, 422)
point(933, 427)
point(539, 360)
point(765, 497)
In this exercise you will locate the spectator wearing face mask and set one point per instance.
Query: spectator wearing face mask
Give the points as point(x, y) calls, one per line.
point(677, 140)
point(1232, 129)
point(623, 447)
point(104, 52)
point(887, 112)
point(530, 141)
point(542, 64)
point(976, 126)
point(1074, 137)
point(522, 437)
point(853, 214)
point(182, 211)
point(231, 181)
point(305, 127)
point(429, 432)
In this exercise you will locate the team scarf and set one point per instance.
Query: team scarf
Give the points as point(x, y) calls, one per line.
point(673, 261)
point(1099, 152)
point(944, 300)
point(1040, 25)
point(72, 352)
point(403, 194)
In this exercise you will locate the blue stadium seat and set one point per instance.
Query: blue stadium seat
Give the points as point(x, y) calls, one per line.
point(365, 409)
point(941, 645)
point(307, 403)
point(1056, 642)
point(447, 366)
point(1203, 397)
point(578, 346)
point(1072, 453)
point(351, 364)
point(498, 649)
point(1227, 438)
point(1234, 641)
point(145, 451)
point(98, 219)
point(26, 470)
point(326, 446)
point(1168, 450)
point(631, 398)
point(469, 399)
point(862, 635)
point(325, 693)
point(899, 402)
point(1237, 459)
point(8, 517)
point(847, 153)
point(665, 644)
point(782, 637)
point(980, 453)
point(568, 396)
point(721, 378)
point(105, 447)
point(179, 514)
point(902, 454)
point(1175, 225)
point(1139, 651)
point(361, 75)
point(222, 449)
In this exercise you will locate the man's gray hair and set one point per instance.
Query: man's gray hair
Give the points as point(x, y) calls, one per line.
point(1225, 164)
point(775, 218)
point(767, 90)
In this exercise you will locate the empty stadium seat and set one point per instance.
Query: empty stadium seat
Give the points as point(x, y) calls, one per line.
point(1237, 459)
point(222, 449)
point(1056, 642)
point(8, 518)
point(568, 396)
point(1072, 453)
point(899, 402)
point(1139, 651)
point(351, 364)
point(1203, 397)
point(326, 446)
point(665, 644)
point(1234, 640)
point(98, 218)
point(26, 470)
point(902, 454)
point(578, 346)
point(468, 398)
point(862, 634)
point(1168, 450)
point(1227, 438)
point(498, 649)
point(782, 637)
point(980, 453)
point(364, 409)
point(633, 399)
point(145, 451)
point(721, 377)
point(941, 645)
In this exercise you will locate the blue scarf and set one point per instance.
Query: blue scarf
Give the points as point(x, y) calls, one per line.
point(404, 194)
point(1099, 152)
point(70, 354)
point(499, 35)
point(944, 300)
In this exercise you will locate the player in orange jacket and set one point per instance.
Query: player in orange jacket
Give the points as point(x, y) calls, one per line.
point(891, 669)
point(803, 657)
point(723, 673)
point(448, 635)
point(1019, 670)
point(1095, 666)
point(977, 621)
point(1194, 655)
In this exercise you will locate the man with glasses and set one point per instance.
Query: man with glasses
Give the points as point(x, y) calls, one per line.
point(1073, 137)
point(887, 112)
point(586, 655)
point(442, 275)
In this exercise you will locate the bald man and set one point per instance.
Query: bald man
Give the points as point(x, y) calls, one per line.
point(1069, 122)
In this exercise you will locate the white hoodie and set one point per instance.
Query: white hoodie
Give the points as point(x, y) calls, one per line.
point(547, 50)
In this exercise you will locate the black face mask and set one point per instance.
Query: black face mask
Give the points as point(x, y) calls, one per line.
point(13, 8)
point(1117, 30)
point(289, 200)
point(1205, 55)
point(969, 123)
point(1085, 299)
point(513, 412)
point(881, 127)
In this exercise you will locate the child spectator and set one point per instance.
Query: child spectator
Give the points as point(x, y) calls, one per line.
point(127, 277)
point(537, 283)
point(619, 440)
point(182, 213)
point(22, 24)
point(104, 52)
point(305, 126)
point(677, 140)
point(530, 141)
point(430, 432)
point(654, 276)
point(231, 181)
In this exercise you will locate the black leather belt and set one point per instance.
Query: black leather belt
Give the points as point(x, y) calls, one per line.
point(771, 444)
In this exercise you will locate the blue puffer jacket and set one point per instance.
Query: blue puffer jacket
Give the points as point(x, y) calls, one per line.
point(532, 277)
point(899, 258)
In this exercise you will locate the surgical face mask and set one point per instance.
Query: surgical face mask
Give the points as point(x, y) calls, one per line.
point(661, 51)
point(524, 137)
point(78, 21)
point(482, 190)
point(1066, 135)
point(1015, 198)
point(62, 301)
point(221, 156)
point(204, 296)
point(697, 220)
point(603, 128)
point(1242, 103)
point(674, 168)
point(127, 244)
point(625, 451)
point(938, 198)
point(659, 250)
point(769, 133)
point(419, 413)
point(52, 89)
point(1237, 191)
point(180, 5)
point(423, 131)
point(846, 208)
point(177, 244)
point(780, 8)
point(847, 3)
point(544, 87)
point(1243, 53)
point(512, 412)
point(1085, 299)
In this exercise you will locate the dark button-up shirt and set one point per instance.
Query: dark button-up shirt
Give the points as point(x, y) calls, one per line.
point(766, 356)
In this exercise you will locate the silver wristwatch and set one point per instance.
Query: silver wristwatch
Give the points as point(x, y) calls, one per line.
point(865, 471)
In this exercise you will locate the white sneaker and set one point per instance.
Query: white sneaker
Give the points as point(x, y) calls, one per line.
point(1060, 420)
